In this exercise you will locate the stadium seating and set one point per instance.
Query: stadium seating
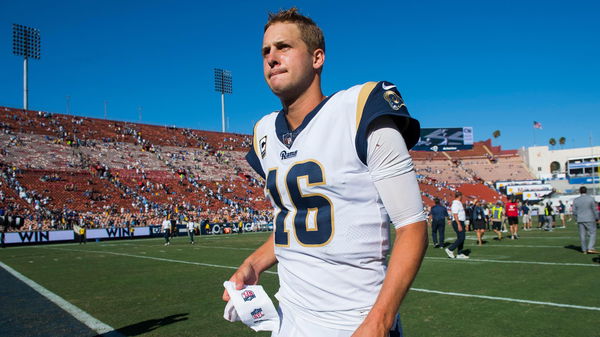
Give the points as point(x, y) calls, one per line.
point(99, 168)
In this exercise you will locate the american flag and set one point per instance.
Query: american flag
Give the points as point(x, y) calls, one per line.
point(537, 125)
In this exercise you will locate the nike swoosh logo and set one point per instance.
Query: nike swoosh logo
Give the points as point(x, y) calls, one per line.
point(387, 87)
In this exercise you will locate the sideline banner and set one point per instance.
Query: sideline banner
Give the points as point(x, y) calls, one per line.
point(69, 235)
point(116, 232)
point(39, 236)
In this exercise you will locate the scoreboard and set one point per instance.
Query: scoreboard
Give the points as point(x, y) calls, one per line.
point(445, 139)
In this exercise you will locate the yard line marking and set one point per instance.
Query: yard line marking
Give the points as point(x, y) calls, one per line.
point(447, 259)
point(507, 237)
point(519, 262)
point(521, 246)
point(80, 315)
point(507, 299)
point(433, 258)
point(153, 258)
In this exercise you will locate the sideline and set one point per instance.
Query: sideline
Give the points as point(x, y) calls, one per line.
point(82, 316)
point(200, 246)
point(517, 262)
point(505, 299)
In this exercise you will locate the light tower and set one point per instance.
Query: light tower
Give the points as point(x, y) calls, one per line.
point(223, 84)
point(26, 43)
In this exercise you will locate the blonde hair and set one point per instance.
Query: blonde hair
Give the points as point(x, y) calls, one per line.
point(310, 33)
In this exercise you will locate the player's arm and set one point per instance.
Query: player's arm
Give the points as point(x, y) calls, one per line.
point(249, 271)
point(409, 248)
point(391, 169)
point(264, 257)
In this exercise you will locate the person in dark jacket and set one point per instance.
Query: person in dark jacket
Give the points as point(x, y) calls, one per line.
point(478, 221)
point(438, 215)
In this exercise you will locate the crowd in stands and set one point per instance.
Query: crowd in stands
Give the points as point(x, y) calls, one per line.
point(59, 170)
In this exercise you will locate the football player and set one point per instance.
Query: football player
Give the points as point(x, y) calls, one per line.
point(337, 171)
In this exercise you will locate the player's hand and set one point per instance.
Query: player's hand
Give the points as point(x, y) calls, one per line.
point(371, 329)
point(460, 227)
point(246, 274)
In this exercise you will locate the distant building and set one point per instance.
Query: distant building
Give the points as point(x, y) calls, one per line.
point(565, 169)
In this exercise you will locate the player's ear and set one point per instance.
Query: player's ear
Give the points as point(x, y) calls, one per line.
point(318, 59)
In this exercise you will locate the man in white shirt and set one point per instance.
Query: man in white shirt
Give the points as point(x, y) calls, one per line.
point(191, 227)
point(166, 226)
point(458, 223)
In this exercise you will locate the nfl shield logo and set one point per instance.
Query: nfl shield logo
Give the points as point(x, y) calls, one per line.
point(257, 313)
point(248, 295)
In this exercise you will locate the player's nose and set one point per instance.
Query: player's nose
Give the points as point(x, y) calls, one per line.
point(272, 59)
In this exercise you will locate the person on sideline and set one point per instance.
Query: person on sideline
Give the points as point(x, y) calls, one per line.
point(438, 215)
point(497, 219)
point(512, 213)
point(166, 226)
point(586, 215)
point(191, 227)
point(526, 216)
point(458, 224)
point(561, 212)
point(478, 221)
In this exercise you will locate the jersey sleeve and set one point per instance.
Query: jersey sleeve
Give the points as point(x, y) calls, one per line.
point(377, 99)
point(252, 157)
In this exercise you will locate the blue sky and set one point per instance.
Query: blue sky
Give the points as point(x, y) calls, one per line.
point(486, 64)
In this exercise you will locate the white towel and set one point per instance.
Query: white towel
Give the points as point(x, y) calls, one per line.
point(252, 306)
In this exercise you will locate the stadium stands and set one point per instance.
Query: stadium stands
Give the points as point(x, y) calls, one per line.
point(101, 171)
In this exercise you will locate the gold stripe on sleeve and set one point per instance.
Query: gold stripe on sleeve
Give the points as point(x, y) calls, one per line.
point(363, 95)
point(254, 140)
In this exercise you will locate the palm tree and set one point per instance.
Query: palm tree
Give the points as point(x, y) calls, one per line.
point(562, 141)
point(552, 142)
point(496, 134)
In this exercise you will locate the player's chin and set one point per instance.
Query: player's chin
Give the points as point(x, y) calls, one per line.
point(278, 88)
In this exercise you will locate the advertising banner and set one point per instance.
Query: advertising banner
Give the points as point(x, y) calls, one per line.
point(116, 232)
point(519, 189)
point(584, 180)
point(69, 235)
point(505, 183)
point(39, 236)
point(535, 195)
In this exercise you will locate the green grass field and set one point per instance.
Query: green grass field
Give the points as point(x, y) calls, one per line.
point(143, 288)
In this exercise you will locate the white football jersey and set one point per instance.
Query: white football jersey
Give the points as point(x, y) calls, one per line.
point(331, 228)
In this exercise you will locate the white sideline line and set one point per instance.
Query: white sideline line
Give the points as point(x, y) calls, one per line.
point(506, 299)
point(80, 315)
point(155, 258)
point(500, 245)
point(519, 262)
point(427, 257)
point(447, 259)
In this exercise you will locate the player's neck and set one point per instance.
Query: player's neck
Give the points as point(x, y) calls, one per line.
point(297, 109)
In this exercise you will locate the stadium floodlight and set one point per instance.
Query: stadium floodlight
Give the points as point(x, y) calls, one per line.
point(26, 43)
point(223, 84)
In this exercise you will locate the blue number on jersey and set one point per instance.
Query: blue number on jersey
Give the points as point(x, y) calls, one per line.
point(316, 205)
point(282, 237)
